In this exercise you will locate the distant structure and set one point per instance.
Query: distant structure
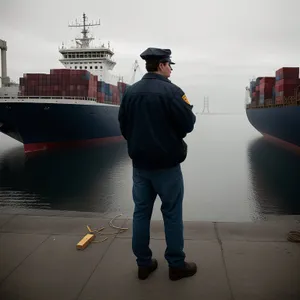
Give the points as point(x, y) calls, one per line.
point(135, 68)
point(7, 86)
point(205, 106)
point(3, 49)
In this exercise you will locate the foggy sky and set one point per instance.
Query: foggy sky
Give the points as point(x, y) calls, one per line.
point(218, 45)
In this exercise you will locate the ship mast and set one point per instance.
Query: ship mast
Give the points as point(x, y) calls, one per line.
point(84, 41)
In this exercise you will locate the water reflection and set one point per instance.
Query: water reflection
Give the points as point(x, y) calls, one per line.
point(274, 174)
point(85, 179)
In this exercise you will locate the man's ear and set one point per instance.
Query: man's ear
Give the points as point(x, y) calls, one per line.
point(160, 66)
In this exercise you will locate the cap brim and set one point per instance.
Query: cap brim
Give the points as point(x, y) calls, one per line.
point(167, 60)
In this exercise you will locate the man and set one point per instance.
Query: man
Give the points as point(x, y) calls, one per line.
point(154, 117)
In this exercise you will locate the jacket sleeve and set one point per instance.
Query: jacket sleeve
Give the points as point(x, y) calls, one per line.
point(122, 116)
point(181, 113)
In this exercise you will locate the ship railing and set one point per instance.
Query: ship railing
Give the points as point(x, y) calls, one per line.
point(48, 98)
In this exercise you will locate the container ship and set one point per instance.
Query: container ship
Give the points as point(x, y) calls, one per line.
point(274, 109)
point(75, 105)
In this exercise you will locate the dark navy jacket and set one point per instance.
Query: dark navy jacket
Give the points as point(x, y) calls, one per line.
point(154, 118)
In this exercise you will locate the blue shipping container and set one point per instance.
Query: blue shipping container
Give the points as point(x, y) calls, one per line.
point(273, 95)
point(108, 90)
point(86, 76)
point(258, 80)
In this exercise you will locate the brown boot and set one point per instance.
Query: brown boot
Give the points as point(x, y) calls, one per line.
point(144, 272)
point(188, 270)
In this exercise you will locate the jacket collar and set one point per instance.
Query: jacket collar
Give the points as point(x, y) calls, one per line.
point(151, 75)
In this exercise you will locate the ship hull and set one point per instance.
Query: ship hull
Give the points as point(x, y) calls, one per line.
point(42, 126)
point(280, 124)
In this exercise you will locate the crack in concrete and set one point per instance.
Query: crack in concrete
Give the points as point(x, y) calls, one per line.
point(223, 260)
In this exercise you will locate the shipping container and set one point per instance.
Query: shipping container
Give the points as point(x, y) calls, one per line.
point(287, 73)
point(73, 83)
point(270, 80)
point(258, 80)
point(288, 81)
point(283, 86)
point(263, 98)
point(266, 87)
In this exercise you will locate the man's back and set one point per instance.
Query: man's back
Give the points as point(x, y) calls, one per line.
point(154, 118)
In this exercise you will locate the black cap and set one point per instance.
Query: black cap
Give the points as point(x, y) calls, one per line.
point(157, 54)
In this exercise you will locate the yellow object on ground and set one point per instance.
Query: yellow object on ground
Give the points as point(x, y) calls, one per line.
point(85, 241)
point(90, 237)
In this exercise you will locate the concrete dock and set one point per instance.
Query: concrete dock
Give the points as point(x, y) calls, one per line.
point(241, 261)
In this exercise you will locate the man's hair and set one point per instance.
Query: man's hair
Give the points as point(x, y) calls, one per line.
point(152, 65)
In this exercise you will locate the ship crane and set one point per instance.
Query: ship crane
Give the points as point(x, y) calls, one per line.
point(135, 67)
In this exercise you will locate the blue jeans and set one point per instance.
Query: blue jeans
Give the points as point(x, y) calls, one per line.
point(168, 184)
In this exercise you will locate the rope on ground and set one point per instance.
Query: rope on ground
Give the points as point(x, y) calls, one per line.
point(294, 236)
point(90, 237)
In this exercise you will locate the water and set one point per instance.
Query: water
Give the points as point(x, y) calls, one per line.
point(231, 174)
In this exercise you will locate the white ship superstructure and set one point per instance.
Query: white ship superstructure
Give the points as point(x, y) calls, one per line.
point(97, 60)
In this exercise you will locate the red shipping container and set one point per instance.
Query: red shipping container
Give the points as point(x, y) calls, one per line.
point(268, 87)
point(288, 72)
point(286, 88)
point(288, 81)
point(60, 82)
point(267, 80)
point(288, 93)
